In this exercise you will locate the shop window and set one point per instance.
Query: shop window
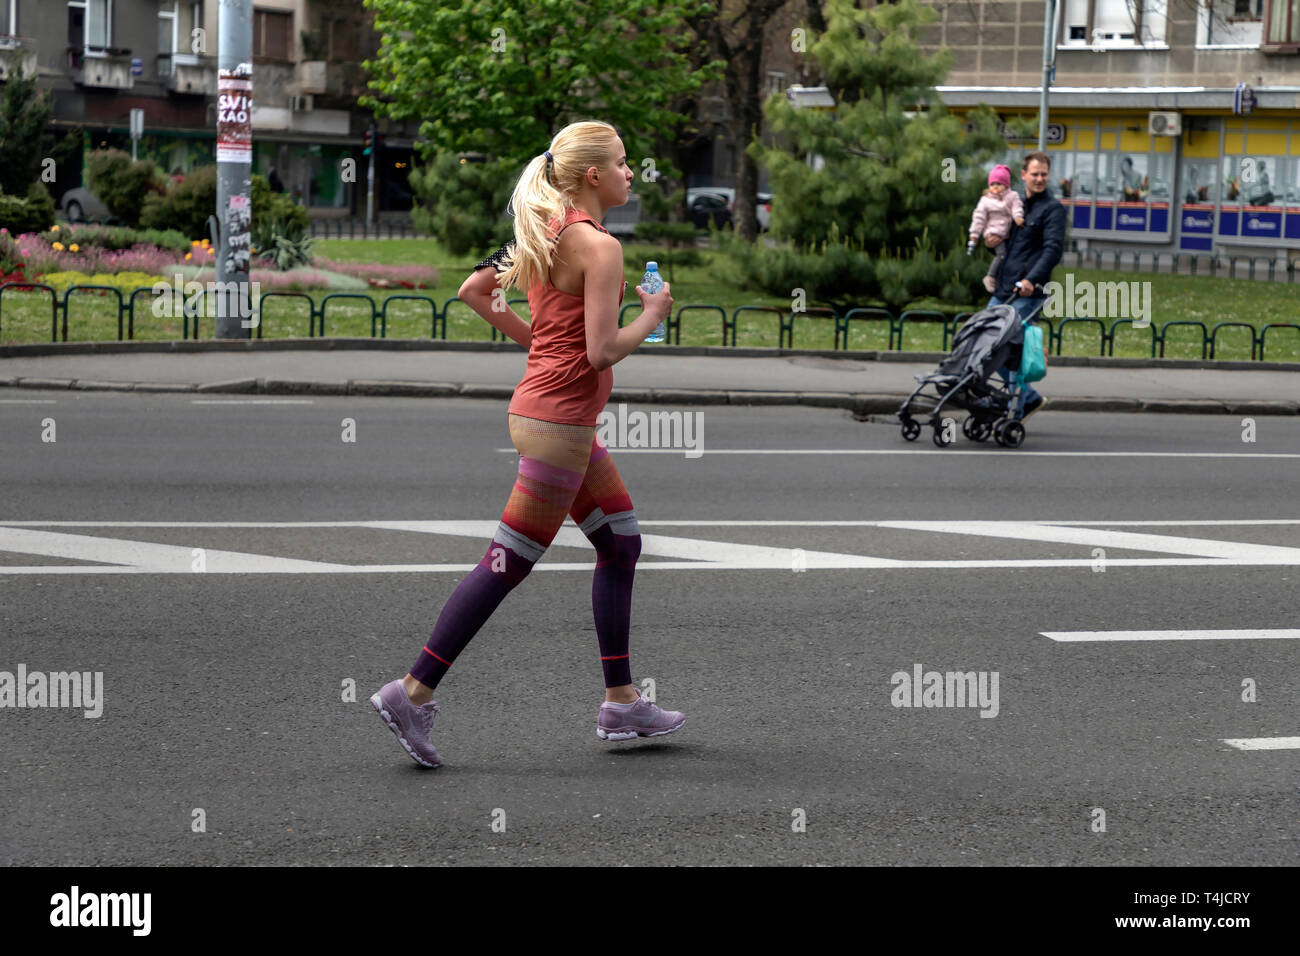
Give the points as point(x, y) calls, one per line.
point(1133, 184)
point(1200, 184)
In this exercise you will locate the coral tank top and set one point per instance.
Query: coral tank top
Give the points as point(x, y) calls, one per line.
point(559, 384)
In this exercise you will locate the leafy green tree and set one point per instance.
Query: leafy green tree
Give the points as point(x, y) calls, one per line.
point(897, 176)
point(24, 115)
point(123, 183)
point(500, 78)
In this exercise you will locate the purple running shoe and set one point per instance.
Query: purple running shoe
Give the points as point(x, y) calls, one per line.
point(410, 724)
point(637, 719)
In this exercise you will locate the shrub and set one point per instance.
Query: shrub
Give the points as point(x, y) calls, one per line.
point(269, 206)
point(126, 282)
point(463, 203)
point(112, 238)
point(186, 206)
point(122, 183)
point(35, 213)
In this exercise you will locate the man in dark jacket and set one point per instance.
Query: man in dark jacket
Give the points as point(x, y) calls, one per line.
point(1034, 251)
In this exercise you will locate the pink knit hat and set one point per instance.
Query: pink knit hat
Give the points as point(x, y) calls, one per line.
point(1000, 174)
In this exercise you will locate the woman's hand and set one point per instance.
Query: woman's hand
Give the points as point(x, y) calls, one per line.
point(661, 303)
point(992, 241)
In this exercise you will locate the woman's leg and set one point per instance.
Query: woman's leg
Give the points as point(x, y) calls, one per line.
point(552, 463)
point(603, 510)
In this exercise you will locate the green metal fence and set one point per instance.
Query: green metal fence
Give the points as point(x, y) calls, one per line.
point(63, 310)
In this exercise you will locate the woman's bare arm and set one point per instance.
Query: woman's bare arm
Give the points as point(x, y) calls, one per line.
point(607, 344)
point(481, 293)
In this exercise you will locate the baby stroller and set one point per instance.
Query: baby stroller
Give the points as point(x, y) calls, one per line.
point(967, 380)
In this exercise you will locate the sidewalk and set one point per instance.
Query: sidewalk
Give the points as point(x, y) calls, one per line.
point(865, 383)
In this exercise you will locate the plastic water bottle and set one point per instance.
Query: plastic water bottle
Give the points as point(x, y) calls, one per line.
point(653, 282)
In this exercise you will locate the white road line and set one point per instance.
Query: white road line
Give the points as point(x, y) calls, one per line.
point(1097, 537)
point(29, 401)
point(1264, 743)
point(1282, 634)
point(148, 556)
point(693, 523)
point(114, 555)
point(715, 552)
point(706, 451)
point(252, 401)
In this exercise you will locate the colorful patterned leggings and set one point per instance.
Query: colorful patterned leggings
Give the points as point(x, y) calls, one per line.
point(563, 469)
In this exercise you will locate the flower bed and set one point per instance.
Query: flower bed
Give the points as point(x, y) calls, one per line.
point(380, 276)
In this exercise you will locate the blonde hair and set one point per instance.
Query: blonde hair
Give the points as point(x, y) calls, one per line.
point(545, 192)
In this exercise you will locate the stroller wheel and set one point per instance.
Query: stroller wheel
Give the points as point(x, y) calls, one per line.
point(940, 435)
point(1013, 435)
point(911, 429)
point(976, 430)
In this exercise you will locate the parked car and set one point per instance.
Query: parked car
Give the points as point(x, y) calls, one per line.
point(81, 205)
point(708, 207)
point(763, 210)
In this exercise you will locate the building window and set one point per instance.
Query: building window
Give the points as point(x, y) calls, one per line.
point(775, 82)
point(1283, 21)
point(272, 35)
point(177, 20)
point(8, 18)
point(90, 24)
point(1114, 23)
point(344, 41)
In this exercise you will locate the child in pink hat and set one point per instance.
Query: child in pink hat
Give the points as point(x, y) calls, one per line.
point(997, 208)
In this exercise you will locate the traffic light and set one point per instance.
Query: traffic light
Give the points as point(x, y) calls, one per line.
point(369, 140)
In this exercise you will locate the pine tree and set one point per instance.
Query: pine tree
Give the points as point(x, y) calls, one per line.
point(899, 175)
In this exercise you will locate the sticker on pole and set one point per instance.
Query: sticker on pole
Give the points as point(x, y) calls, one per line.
point(235, 115)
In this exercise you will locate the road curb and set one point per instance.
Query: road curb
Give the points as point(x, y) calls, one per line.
point(860, 403)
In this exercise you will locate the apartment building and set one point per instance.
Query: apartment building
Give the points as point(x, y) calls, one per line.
point(99, 59)
point(1175, 124)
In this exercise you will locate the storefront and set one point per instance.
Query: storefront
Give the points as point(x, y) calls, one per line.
point(1225, 183)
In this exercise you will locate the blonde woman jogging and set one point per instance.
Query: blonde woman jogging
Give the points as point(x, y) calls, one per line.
point(572, 270)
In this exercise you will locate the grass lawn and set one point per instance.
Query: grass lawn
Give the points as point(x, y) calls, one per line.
point(25, 316)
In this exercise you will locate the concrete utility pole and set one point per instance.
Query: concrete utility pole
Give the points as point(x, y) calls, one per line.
point(234, 214)
point(1049, 62)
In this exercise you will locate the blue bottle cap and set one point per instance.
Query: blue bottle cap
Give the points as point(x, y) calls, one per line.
point(652, 267)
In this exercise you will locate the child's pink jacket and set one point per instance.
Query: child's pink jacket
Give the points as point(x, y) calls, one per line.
point(994, 214)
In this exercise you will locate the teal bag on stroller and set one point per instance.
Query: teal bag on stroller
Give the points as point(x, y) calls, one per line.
point(1033, 360)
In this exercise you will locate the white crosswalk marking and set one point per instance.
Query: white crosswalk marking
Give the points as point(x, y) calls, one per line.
point(1097, 537)
point(122, 555)
point(1264, 743)
point(1282, 634)
point(146, 555)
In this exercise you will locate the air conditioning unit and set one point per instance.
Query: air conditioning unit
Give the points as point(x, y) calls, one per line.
point(1165, 124)
point(300, 103)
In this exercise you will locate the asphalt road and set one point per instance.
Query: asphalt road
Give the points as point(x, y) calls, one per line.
point(223, 690)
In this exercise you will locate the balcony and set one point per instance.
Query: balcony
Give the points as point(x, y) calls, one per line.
point(15, 53)
point(186, 73)
point(101, 68)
